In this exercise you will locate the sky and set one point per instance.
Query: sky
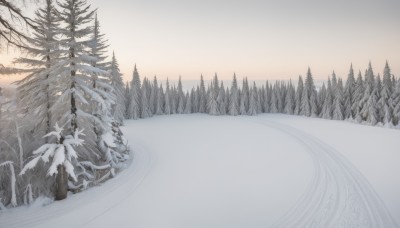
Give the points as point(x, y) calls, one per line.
point(260, 39)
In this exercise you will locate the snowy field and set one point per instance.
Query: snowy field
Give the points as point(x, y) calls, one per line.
point(265, 171)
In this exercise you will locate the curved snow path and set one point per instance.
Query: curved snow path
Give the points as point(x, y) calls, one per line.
point(339, 195)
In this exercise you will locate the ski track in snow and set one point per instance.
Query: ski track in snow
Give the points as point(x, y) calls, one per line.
point(338, 196)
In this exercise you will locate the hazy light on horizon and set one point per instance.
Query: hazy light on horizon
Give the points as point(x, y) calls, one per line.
point(258, 39)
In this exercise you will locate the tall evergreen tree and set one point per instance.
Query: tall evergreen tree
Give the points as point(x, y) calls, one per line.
point(234, 98)
point(298, 96)
point(386, 101)
point(202, 96)
point(118, 108)
point(36, 90)
point(348, 95)
point(327, 107)
point(369, 100)
point(181, 99)
point(76, 91)
point(135, 99)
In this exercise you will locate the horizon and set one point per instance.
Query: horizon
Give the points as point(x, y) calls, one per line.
point(261, 40)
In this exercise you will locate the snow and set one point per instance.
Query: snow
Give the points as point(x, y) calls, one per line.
point(260, 171)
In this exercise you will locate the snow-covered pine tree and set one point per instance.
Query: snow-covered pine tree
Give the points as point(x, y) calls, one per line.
point(36, 90)
point(267, 98)
point(181, 99)
point(106, 128)
point(290, 99)
point(144, 101)
point(135, 99)
point(195, 100)
point(369, 101)
point(118, 108)
point(127, 99)
point(274, 100)
point(386, 101)
point(246, 93)
point(167, 102)
point(348, 95)
point(227, 100)
point(234, 98)
point(321, 98)
point(396, 103)
point(259, 100)
point(327, 106)
point(253, 101)
point(188, 105)
point(281, 93)
point(221, 100)
point(62, 154)
point(174, 100)
point(299, 95)
point(337, 113)
point(159, 110)
point(76, 93)
point(358, 95)
point(202, 96)
point(309, 106)
point(242, 107)
point(212, 97)
point(153, 96)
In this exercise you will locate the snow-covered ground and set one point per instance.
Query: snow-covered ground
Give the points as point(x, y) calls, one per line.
point(264, 171)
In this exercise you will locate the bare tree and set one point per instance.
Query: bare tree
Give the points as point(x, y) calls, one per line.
point(13, 21)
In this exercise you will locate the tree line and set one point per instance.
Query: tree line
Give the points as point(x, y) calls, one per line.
point(61, 132)
point(367, 98)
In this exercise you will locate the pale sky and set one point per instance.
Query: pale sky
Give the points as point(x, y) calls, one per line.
point(259, 39)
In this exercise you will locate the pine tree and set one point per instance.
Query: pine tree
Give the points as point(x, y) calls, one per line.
point(298, 96)
point(75, 71)
point(337, 102)
point(144, 102)
point(358, 95)
point(290, 99)
point(135, 99)
point(202, 96)
point(253, 101)
point(213, 95)
point(159, 102)
point(242, 108)
point(369, 100)
point(118, 108)
point(180, 95)
point(349, 93)
point(386, 101)
point(167, 102)
point(274, 100)
point(221, 100)
point(36, 90)
point(127, 99)
point(153, 96)
point(267, 98)
point(234, 98)
point(396, 103)
point(327, 106)
point(188, 105)
point(309, 106)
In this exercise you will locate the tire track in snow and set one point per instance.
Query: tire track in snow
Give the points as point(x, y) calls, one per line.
point(338, 195)
point(112, 193)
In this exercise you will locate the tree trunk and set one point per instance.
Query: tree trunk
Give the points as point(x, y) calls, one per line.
point(61, 183)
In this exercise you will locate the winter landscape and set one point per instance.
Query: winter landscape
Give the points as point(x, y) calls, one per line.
point(271, 137)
